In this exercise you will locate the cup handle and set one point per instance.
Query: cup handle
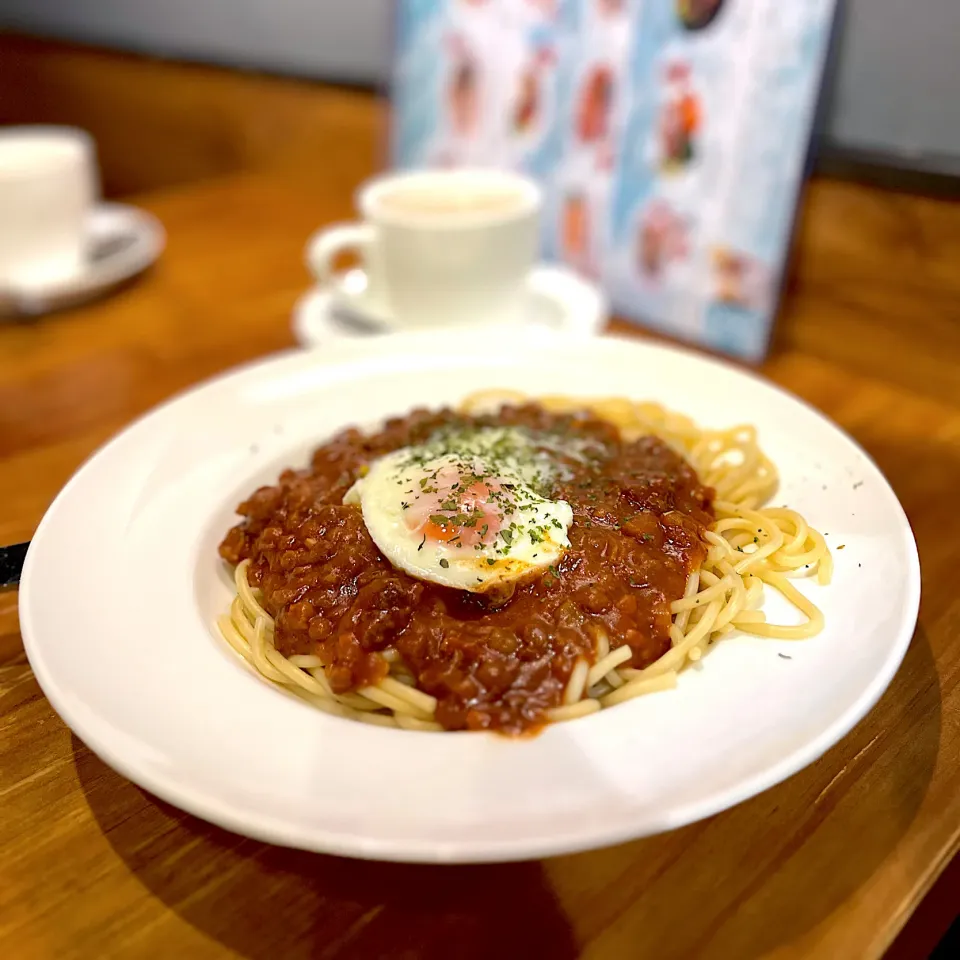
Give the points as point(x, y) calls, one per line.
point(324, 246)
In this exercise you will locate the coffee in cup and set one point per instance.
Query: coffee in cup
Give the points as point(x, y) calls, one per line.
point(438, 247)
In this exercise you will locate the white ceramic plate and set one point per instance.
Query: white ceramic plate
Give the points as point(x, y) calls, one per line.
point(122, 585)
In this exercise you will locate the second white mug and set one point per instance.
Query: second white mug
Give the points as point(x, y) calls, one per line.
point(48, 184)
point(438, 247)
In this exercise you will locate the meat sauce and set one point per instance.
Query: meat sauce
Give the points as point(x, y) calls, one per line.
point(639, 517)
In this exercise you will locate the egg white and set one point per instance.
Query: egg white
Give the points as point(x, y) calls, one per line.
point(534, 535)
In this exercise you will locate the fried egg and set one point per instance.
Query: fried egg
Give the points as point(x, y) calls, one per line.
point(467, 510)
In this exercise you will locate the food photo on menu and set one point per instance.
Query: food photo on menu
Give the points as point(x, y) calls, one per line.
point(405, 548)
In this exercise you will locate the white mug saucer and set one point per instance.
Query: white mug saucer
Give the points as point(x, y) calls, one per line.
point(556, 300)
point(122, 241)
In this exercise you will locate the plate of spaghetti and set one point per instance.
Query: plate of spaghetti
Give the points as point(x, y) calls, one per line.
point(410, 600)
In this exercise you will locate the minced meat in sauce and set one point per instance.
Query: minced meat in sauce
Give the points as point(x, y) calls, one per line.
point(639, 517)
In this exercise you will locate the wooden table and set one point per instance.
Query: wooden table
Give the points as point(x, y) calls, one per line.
point(829, 864)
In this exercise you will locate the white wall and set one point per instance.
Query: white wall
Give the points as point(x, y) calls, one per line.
point(896, 89)
point(340, 39)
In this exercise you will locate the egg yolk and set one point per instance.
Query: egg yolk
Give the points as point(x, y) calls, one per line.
point(459, 509)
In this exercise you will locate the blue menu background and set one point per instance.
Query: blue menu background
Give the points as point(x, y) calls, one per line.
point(671, 157)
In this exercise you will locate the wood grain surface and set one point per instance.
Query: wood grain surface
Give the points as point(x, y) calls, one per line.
point(829, 864)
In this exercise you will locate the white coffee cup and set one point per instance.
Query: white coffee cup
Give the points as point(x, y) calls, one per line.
point(438, 247)
point(48, 185)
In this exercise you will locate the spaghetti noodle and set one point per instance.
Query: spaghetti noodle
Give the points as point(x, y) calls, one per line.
point(747, 546)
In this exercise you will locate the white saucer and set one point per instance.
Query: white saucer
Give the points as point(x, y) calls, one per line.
point(122, 241)
point(556, 300)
